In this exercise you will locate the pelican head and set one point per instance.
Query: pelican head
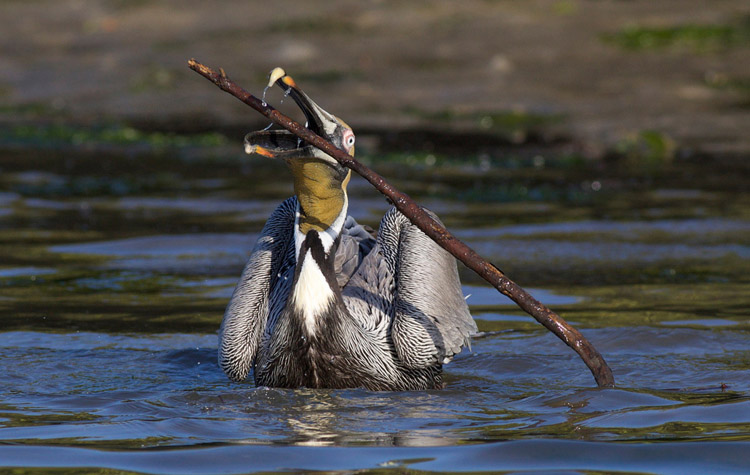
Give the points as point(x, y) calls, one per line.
point(285, 145)
point(319, 180)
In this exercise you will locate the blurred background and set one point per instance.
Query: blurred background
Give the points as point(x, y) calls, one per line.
point(596, 151)
point(599, 72)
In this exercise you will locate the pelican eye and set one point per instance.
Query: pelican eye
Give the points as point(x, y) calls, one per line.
point(348, 139)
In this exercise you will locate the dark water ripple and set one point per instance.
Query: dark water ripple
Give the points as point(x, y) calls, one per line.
point(98, 392)
point(109, 307)
point(524, 455)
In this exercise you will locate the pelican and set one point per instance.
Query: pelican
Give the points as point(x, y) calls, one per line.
point(322, 303)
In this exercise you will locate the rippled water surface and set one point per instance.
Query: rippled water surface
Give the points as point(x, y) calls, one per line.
point(114, 272)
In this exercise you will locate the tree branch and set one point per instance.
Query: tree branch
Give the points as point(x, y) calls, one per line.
point(553, 322)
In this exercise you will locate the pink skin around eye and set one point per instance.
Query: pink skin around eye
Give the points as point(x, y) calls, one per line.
point(349, 140)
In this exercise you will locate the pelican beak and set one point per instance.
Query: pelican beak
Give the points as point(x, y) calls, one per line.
point(282, 143)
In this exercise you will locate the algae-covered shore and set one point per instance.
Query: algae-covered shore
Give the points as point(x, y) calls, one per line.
point(672, 77)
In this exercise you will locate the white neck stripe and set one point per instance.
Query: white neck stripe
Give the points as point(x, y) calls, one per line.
point(311, 295)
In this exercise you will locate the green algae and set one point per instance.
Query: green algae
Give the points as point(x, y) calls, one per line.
point(62, 133)
point(699, 38)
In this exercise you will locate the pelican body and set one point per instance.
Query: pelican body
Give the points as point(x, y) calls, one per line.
point(324, 304)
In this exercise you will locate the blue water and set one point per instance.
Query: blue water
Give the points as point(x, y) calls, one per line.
point(157, 403)
point(109, 307)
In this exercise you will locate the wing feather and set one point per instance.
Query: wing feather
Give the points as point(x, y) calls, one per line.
point(247, 313)
point(431, 321)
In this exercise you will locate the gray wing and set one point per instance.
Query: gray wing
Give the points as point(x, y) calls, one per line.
point(248, 310)
point(431, 321)
point(356, 243)
point(366, 280)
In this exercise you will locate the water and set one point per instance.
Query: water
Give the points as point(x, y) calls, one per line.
point(114, 271)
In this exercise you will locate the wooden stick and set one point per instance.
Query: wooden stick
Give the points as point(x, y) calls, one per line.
point(553, 322)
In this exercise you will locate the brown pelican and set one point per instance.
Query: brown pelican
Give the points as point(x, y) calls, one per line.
point(324, 304)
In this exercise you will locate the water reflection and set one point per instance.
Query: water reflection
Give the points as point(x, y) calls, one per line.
point(111, 298)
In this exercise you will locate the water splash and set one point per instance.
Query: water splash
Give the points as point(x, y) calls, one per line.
point(265, 104)
point(263, 98)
